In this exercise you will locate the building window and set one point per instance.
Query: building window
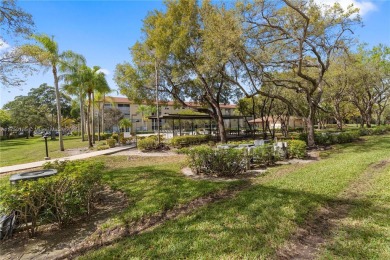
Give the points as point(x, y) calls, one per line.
point(123, 105)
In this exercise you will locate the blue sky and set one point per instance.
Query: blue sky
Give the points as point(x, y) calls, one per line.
point(103, 31)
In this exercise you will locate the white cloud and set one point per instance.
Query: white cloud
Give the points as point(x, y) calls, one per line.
point(364, 6)
point(3, 45)
point(105, 71)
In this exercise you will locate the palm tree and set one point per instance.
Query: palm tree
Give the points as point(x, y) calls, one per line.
point(100, 96)
point(125, 123)
point(74, 86)
point(45, 52)
point(93, 80)
point(143, 109)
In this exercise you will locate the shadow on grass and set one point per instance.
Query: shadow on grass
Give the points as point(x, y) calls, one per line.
point(252, 225)
point(372, 143)
point(152, 189)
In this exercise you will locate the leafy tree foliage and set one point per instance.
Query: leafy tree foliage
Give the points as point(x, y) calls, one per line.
point(14, 22)
point(112, 116)
point(185, 52)
point(5, 120)
point(24, 113)
point(45, 52)
point(290, 44)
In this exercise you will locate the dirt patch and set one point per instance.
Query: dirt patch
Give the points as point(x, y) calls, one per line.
point(307, 240)
point(245, 175)
point(134, 153)
point(52, 242)
point(78, 151)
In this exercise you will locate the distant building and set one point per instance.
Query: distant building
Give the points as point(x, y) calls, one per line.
point(293, 122)
point(141, 123)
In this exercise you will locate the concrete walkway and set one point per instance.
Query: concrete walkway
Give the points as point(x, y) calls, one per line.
point(25, 166)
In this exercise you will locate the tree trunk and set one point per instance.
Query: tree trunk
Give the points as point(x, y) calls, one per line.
point(104, 98)
point(98, 121)
point(57, 91)
point(90, 145)
point(378, 118)
point(310, 126)
point(82, 118)
point(93, 118)
point(368, 117)
point(339, 123)
point(221, 125)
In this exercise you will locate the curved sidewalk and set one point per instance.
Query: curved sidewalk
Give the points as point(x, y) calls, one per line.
point(25, 166)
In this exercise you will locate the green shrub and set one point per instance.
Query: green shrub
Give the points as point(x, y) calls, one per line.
point(296, 149)
point(365, 131)
point(219, 162)
point(179, 141)
point(76, 133)
point(148, 143)
point(111, 142)
point(379, 130)
point(103, 147)
point(326, 138)
point(265, 154)
point(61, 198)
point(116, 137)
point(105, 136)
point(124, 140)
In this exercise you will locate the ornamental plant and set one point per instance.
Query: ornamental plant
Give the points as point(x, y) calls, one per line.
point(62, 198)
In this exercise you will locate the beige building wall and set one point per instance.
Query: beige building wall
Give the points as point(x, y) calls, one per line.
point(130, 111)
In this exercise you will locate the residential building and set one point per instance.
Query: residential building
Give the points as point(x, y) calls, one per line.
point(143, 123)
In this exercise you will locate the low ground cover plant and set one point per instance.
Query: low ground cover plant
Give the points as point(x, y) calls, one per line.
point(59, 199)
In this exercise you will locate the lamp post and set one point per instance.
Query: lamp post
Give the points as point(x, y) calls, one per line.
point(47, 151)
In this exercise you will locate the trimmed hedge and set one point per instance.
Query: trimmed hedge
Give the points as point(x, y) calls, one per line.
point(60, 199)
point(326, 138)
point(179, 141)
point(329, 138)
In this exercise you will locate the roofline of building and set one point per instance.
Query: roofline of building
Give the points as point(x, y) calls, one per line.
point(171, 103)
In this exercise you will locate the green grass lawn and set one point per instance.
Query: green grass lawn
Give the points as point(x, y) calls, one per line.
point(150, 187)
point(365, 233)
point(22, 150)
point(153, 187)
point(259, 220)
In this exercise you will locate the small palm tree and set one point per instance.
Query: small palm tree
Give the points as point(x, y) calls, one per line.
point(74, 86)
point(45, 52)
point(93, 80)
point(125, 123)
point(143, 109)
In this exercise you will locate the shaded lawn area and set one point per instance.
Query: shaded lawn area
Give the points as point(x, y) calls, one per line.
point(261, 219)
point(365, 233)
point(153, 185)
point(22, 150)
